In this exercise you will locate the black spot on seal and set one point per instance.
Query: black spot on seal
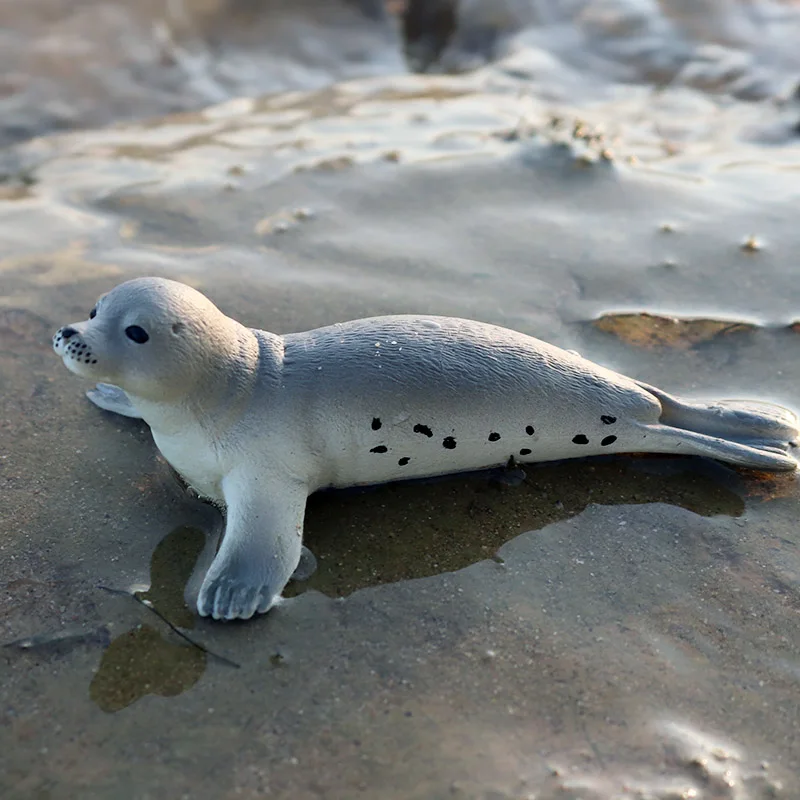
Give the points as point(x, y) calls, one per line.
point(423, 429)
point(607, 420)
point(376, 423)
point(449, 443)
point(530, 430)
point(403, 461)
point(494, 437)
point(580, 439)
point(524, 452)
point(381, 448)
point(608, 440)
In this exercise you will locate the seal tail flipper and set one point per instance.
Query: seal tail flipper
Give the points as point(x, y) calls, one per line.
point(747, 433)
point(739, 420)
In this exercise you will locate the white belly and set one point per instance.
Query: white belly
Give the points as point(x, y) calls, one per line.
point(189, 454)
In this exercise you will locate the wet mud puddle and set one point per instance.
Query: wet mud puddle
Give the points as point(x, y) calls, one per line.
point(623, 184)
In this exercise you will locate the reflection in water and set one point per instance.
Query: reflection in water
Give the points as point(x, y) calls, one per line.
point(399, 532)
point(412, 530)
point(142, 661)
point(170, 568)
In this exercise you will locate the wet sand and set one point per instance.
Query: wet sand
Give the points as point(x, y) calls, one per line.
point(615, 627)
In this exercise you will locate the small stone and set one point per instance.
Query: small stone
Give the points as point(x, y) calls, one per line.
point(752, 245)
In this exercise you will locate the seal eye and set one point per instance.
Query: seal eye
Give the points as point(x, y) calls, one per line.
point(93, 313)
point(136, 334)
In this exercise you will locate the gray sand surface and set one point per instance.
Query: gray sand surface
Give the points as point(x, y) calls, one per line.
point(611, 628)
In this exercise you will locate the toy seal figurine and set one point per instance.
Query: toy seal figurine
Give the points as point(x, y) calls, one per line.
point(256, 422)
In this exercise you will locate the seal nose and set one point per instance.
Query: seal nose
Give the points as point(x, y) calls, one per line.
point(67, 332)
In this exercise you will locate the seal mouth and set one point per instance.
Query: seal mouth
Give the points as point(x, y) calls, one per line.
point(74, 351)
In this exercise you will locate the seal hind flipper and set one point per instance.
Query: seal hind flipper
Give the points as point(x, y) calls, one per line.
point(261, 546)
point(306, 567)
point(764, 456)
point(112, 398)
point(755, 454)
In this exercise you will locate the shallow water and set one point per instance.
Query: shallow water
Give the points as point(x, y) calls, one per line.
point(608, 628)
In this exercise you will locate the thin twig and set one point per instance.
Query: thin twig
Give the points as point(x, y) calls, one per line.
point(172, 627)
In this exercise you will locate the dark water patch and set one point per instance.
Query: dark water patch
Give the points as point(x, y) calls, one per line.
point(141, 662)
point(145, 660)
point(171, 567)
point(364, 539)
point(767, 486)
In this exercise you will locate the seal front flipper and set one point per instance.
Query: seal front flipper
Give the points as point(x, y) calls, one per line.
point(261, 546)
point(112, 398)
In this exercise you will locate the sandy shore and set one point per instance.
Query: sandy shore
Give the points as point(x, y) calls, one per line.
point(606, 627)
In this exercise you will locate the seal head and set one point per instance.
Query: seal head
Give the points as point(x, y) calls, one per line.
point(154, 338)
